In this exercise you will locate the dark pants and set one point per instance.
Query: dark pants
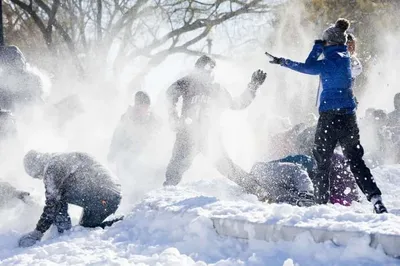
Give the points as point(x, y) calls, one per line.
point(95, 212)
point(334, 128)
point(187, 146)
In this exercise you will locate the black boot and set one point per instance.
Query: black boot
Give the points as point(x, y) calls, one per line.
point(378, 205)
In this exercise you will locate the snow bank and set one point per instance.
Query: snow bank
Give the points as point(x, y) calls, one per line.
point(174, 226)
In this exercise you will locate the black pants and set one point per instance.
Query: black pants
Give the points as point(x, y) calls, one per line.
point(95, 212)
point(334, 128)
point(187, 146)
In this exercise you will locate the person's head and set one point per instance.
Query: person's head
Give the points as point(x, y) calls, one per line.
point(369, 113)
point(396, 101)
point(35, 163)
point(336, 34)
point(380, 116)
point(351, 43)
point(205, 64)
point(11, 58)
point(142, 101)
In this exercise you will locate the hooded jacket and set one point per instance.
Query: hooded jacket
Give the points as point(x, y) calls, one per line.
point(335, 74)
point(75, 178)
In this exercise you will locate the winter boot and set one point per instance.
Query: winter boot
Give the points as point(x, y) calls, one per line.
point(378, 204)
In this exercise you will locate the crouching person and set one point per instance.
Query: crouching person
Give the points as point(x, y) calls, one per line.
point(284, 182)
point(71, 178)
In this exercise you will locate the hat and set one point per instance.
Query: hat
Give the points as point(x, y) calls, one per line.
point(142, 98)
point(35, 163)
point(337, 34)
point(205, 60)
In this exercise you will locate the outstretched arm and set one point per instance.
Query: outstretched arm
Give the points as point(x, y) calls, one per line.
point(247, 97)
point(312, 65)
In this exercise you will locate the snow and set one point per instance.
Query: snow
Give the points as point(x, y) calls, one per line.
point(173, 226)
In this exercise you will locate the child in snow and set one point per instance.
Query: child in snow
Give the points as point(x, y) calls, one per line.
point(71, 178)
point(337, 122)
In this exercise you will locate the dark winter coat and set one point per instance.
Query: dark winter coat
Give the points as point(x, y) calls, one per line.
point(335, 74)
point(75, 178)
point(203, 100)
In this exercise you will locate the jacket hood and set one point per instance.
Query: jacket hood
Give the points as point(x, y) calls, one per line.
point(35, 163)
point(336, 51)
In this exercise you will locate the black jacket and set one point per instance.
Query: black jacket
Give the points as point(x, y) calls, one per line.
point(203, 100)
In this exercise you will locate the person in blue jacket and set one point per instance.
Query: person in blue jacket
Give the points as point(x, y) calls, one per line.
point(337, 122)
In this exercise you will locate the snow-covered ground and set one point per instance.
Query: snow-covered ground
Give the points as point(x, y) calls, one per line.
point(173, 227)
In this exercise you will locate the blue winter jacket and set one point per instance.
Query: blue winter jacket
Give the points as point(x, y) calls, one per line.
point(335, 74)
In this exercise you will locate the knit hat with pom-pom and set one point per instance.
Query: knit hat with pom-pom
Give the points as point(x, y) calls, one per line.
point(336, 34)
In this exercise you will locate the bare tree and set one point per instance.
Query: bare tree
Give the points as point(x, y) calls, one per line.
point(150, 29)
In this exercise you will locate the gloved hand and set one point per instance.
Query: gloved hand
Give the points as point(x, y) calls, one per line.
point(274, 59)
point(277, 61)
point(320, 42)
point(22, 195)
point(305, 199)
point(62, 222)
point(258, 77)
point(30, 239)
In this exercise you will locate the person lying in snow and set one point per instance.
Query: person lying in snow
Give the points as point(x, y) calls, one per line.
point(71, 178)
point(343, 189)
point(284, 182)
point(289, 180)
point(8, 193)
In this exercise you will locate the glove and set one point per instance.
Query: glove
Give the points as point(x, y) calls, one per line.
point(24, 196)
point(258, 77)
point(305, 199)
point(320, 42)
point(275, 60)
point(30, 239)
